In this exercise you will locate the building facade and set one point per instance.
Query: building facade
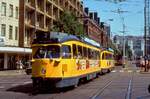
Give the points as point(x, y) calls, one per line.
point(9, 34)
point(41, 15)
point(136, 44)
point(94, 29)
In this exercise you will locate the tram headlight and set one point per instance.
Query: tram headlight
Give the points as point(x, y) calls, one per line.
point(43, 71)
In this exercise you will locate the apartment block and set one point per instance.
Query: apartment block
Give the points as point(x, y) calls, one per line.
point(9, 16)
point(41, 15)
point(93, 29)
point(9, 35)
point(136, 44)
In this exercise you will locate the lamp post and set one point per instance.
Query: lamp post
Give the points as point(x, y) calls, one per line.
point(124, 41)
point(146, 29)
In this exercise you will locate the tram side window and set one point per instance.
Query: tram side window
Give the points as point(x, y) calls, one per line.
point(111, 56)
point(97, 54)
point(74, 49)
point(103, 56)
point(93, 54)
point(107, 56)
point(84, 52)
point(66, 52)
point(89, 53)
point(80, 54)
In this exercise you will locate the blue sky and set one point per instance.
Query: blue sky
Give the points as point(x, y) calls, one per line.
point(133, 17)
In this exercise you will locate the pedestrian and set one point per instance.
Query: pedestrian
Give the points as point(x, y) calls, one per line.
point(142, 63)
point(19, 64)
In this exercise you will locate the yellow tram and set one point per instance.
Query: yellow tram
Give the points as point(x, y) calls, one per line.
point(63, 60)
point(107, 60)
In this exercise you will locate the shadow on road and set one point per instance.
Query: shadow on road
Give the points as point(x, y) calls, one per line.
point(28, 89)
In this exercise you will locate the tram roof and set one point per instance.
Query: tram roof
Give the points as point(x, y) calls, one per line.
point(59, 37)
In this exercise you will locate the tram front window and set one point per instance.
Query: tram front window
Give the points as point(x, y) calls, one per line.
point(52, 51)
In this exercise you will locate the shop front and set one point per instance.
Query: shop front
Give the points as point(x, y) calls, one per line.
point(10, 56)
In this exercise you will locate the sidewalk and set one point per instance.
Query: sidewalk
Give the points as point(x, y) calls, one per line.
point(12, 72)
point(131, 66)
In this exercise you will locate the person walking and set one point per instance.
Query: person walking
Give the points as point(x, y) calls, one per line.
point(142, 63)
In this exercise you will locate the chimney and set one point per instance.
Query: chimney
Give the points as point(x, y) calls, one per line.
point(91, 15)
point(95, 16)
point(86, 10)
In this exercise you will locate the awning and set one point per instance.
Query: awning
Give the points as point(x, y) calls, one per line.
point(15, 50)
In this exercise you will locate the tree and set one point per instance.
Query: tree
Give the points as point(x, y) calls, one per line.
point(128, 51)
point(68, 23)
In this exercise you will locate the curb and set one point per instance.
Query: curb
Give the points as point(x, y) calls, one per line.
point(142, 72)
point(12, 73)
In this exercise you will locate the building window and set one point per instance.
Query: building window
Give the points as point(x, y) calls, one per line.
point(17, 12)
point(3, 9)
point(3, 29)
point(10, 10)
point(10, 32)
point(16, 33)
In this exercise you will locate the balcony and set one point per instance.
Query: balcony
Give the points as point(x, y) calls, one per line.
point(40, 5)
point(55, 13)
point(30, 3)
point(49, 9)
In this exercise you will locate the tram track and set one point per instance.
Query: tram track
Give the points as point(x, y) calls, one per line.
point(129, 89)
point(108, 82)
point(98, 93)
point(101, 90)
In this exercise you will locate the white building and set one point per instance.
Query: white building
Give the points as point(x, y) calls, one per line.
point(9, 34)
point(136, 44)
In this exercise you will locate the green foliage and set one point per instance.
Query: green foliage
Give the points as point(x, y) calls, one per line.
point(68, 23)
point(128, 51)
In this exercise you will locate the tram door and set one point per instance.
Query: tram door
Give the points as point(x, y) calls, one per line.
point(66, 60)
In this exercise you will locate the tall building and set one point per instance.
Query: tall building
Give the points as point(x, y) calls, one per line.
point(41, 15)
point(9, 35)
point(136, 44)
point(93, 28)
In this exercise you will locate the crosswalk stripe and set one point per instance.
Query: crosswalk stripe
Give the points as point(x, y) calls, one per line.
point(129, 71)
point(27, 82)
point(14, 85)
point(114, 71)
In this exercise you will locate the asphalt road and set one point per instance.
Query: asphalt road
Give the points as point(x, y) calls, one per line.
point(119, 84)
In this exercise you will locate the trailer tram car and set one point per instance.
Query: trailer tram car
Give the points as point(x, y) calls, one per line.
point(63, 60)
point(107, 60)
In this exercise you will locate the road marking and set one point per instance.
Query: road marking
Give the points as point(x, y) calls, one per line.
point(130, 71)
point(27, 82)
point(14, 85)
point(121, 71)
point(129, 90)
point(114, 71)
